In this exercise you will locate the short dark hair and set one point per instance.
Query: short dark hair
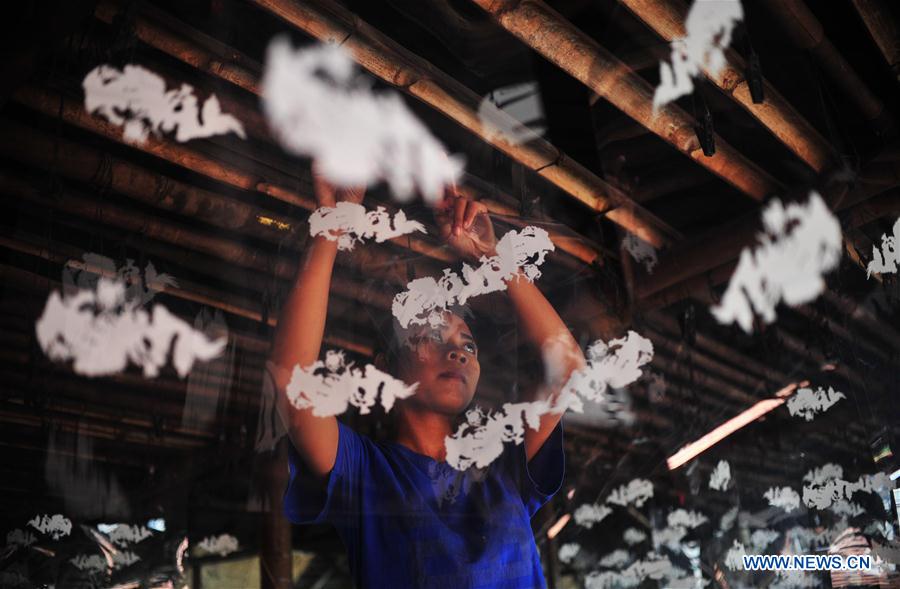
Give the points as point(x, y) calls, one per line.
point(388, 340)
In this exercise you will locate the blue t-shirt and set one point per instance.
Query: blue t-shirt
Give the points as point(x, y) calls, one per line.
point(409, 521)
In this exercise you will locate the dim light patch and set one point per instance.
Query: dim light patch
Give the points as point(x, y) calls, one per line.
point(319, 107)
point(328, 387)
point(807, 403)
point(426, 299)
point(138, 100)
point(729, 518)
point(887, 259)
point(519, 106)
point(708, 26)
point(102, 331)
point(720, 478)
point(350, 223)
point(799, 243)
point(19, 537)
point(760, 539)
point(221, 545)
point(56, 526)
point(270, 222)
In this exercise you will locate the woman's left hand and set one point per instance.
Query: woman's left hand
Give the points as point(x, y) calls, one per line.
point(465, 226)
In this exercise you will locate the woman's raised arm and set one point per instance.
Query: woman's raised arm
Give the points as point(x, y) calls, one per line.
point(298, 339)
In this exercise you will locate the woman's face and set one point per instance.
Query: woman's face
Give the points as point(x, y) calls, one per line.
point(444, 361)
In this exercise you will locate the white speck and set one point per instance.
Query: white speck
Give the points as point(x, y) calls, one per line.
point(319, 107)
point(137, 98)
point(616, 559)
point(760, 539)
point(798, 245)
point(734, 557)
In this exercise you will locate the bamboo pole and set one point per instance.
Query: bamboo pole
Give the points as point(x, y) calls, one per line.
point(776, 114)
point(807, 33)
point(395, 65)
point(880, 22)
point(551, 35)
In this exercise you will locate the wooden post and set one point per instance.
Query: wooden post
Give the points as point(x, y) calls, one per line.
point(275, 538)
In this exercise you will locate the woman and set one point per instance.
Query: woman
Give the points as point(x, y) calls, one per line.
point(407, 518)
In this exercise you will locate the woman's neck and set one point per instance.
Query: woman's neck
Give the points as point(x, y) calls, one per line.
point(423, 432)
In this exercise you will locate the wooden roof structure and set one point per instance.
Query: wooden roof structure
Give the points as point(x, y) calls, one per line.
point(227, 218)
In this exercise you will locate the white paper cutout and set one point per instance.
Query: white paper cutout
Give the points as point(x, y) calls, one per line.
point(137, 98)
point(636, 493)
point(798, 245)
point(734, 558)
point(680, 522)
point(319, 107)
point(97, 564)
point(615, 559)
point(708, 29)
point(720, 478)
point(826, 487)
point(641, 251)
point(824, 473)
point(480, 440)
point(568, 551)
point(101, 330)
point(426, 299)
point(808, 403)
point(349, 223)
point(634, 536)
point(56, 526)
point(521, 106)
point(589, 514)
point(19, 537)
point(653, 567)
point(760, 539)
point(795, 580)
point(888, 259)
point(124, 534)
point(140, 287)
point(329, 387)
point(783, 497)
point(222, 545)
point(847, 508)
point(730, 517)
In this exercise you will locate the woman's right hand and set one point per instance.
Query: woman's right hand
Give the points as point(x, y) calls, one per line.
point(328, 195)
